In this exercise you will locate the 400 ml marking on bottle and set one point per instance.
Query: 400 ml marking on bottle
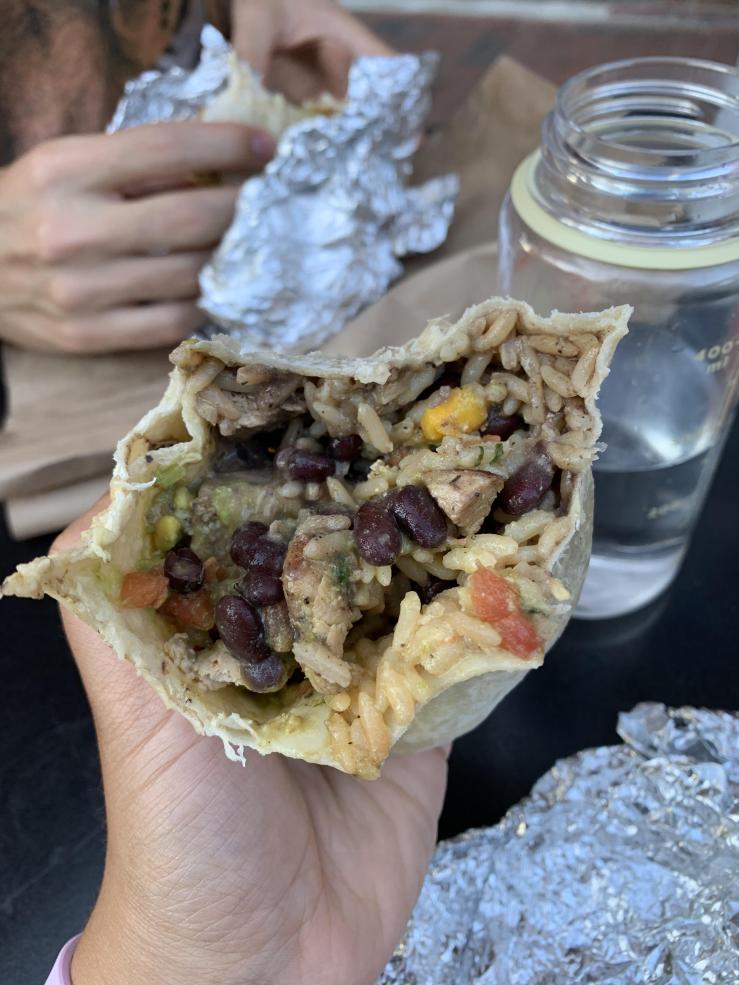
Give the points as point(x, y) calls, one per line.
point(717, 357)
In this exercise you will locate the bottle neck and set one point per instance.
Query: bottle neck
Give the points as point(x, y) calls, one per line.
point(645, 152)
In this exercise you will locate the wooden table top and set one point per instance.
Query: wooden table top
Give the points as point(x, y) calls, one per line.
point(556, 50)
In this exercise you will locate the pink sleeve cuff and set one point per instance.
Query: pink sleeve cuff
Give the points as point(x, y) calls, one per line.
point(60, 972)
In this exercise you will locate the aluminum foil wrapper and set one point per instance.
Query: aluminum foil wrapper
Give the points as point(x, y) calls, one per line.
point(620, 868)
point(320, 233)
point(177, 93)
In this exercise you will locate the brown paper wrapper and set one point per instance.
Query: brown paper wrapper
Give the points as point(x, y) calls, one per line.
point(66, 413)
point(41, 513)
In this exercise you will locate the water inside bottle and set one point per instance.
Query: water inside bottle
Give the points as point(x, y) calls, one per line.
point(659, 413)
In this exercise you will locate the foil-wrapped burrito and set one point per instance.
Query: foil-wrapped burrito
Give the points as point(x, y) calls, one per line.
point(337, 558)
point(320, 234)
point(621, 867)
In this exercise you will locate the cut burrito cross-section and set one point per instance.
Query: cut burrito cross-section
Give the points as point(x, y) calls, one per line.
point(337, 558)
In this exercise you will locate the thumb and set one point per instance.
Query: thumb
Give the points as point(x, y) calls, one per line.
point(124, 707)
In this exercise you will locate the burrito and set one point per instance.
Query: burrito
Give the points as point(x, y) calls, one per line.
point(245, 100)
point(338, 558)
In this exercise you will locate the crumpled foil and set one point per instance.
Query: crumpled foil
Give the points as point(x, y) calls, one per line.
point(318, 235)
point(177, 93)
point(620, 868)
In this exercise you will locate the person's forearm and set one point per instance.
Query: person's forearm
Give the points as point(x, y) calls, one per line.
point(63, 63)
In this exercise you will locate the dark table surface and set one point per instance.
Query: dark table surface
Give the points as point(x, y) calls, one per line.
point(680, 650)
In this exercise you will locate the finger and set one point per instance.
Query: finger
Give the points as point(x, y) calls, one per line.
point(170, 150)
point(255, 33)
point(128, 715)
point(347, 39)
point(174, 222)
point(258, 31)
point(111, 684)
point(161, 151)
point(155, 186)
point(117, 696)
point(307, 72)
point(121, 282)
point(145, 326)
point(335, 59)
point(358, 38)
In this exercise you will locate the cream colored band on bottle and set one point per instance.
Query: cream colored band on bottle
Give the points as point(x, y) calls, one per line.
point(618, 254)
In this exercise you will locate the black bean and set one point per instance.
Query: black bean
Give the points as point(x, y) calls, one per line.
point(528, 485)
point(184, 569)
point(258, 450)
point(433, 587)
point(345, 449)
point(376, 535)
point(501, 424)
point(240, 628)
point(311, 466)
point(268, 556)
point(261, 588)
point(359, 470)
point(490, 525)
point(419, 515)
point(267, 675)
point(244, 541)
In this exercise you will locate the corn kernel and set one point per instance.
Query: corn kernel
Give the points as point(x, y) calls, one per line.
point(182, 498)
point(463, 411)
point(167, 532)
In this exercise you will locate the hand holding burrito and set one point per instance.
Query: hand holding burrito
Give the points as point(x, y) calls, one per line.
point(338, 558)
point(303, 48)
point(102, 237)
point(281, 873)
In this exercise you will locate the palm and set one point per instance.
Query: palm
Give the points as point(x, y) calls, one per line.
point(297, 873)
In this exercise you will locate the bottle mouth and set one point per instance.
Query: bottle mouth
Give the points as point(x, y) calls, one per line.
point(646, 151)
point(653, 119)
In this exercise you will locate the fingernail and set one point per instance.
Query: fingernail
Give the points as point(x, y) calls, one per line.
point(263, 145)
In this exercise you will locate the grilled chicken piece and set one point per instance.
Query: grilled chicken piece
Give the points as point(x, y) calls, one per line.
point(316, 577)
point(465, 495)
point(235, 403)
point(216, 670)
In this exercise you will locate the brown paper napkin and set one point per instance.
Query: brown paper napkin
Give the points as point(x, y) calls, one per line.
point(66, 413)
point(445, 288)
point(495, 128)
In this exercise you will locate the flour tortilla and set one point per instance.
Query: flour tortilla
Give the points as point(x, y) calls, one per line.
point(175, 434)
point(245, 100)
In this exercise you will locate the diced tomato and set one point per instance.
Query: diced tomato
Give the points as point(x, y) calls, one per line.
point(144, 589)
point(494, 598)
point(519, 635)
point(497, 602)
point(195, 610)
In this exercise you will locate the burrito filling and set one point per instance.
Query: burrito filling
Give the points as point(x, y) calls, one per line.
point(280, 564)
point(334, 558)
